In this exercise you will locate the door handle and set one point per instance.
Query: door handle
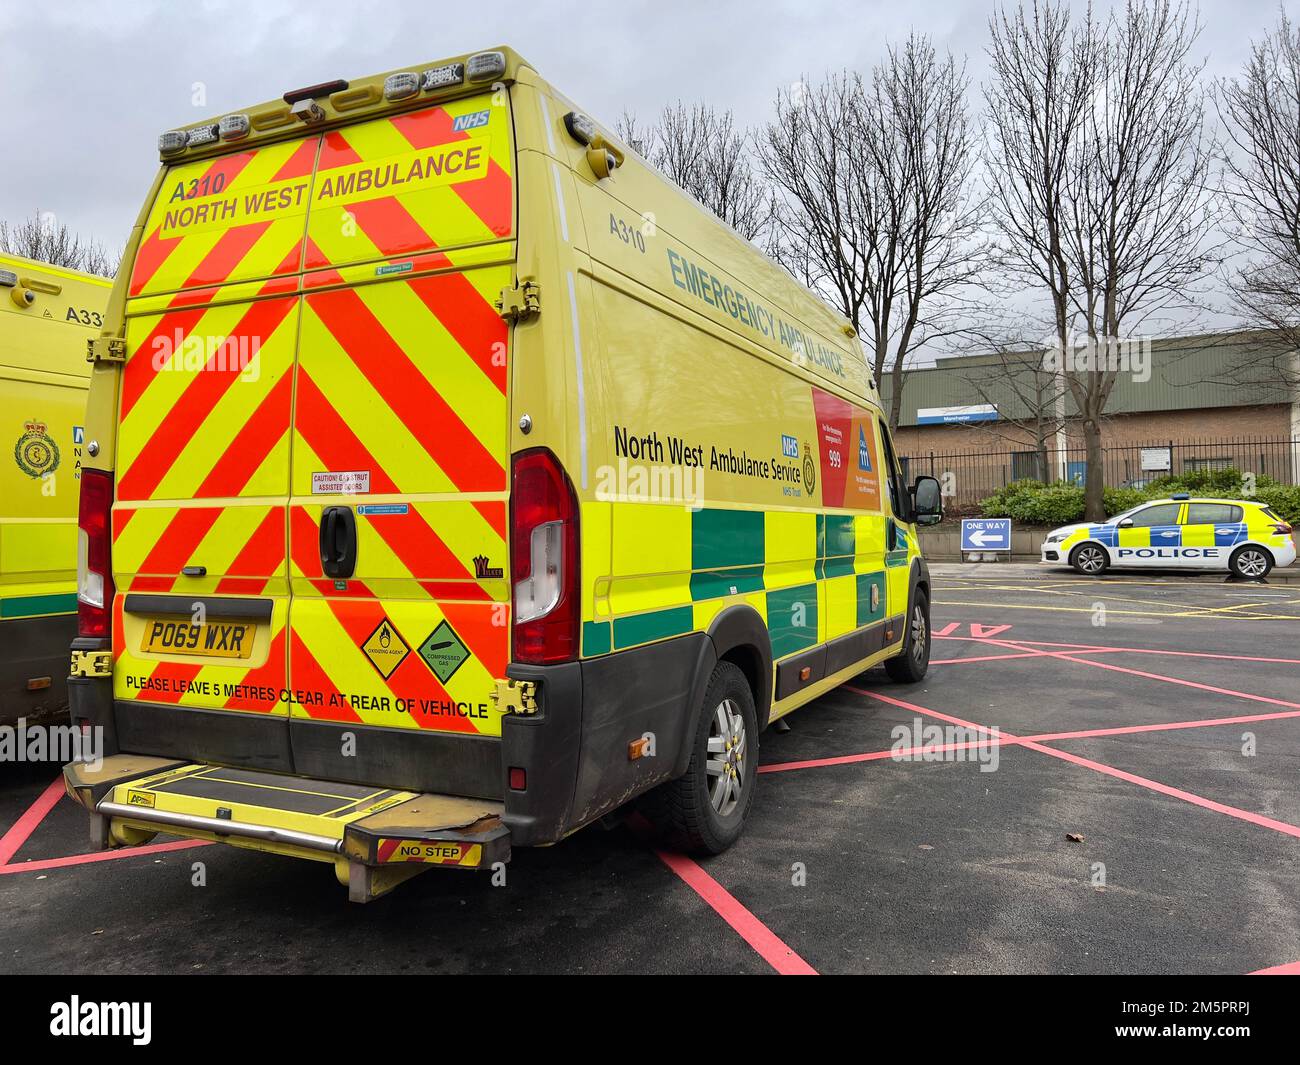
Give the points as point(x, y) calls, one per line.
point(338, 542)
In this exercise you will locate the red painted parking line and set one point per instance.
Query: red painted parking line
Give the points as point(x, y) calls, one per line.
point(1291, 968)
point(875, 756)
point(103, 856)
point(32, 816)
point(1068, 656)
point(766, 943)
point(1075, 648)
point(1165, 789)
point(1173, 726)
point(1022, 654)
point(1087, 763)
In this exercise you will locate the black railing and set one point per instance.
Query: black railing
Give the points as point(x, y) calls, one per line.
point(970, 475)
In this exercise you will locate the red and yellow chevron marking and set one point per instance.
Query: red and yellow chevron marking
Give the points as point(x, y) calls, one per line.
point(336, 681)
point(257, 686)
point(415, 371)
point(242, 548)
point(228, 219)
point(432, 852)
point(396, 186)
point(206, 398)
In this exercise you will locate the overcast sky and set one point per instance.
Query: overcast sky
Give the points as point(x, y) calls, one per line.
point(88, 86)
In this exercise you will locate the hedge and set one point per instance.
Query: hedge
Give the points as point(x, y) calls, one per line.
point(1032, 502)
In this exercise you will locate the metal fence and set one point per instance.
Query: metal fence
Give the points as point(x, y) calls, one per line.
point(976, 474)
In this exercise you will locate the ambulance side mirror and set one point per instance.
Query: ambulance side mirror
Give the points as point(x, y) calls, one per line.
point(927, 501)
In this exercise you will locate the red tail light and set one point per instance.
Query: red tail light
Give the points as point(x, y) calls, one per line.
point(1282, 527)
point(543, 560)
point(94, 564)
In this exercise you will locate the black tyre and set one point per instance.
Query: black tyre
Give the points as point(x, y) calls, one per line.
point(1090, 559)
point(911, 666)
point(704, 811)
point(1251, 562)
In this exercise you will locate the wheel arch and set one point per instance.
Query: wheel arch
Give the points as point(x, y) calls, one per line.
point(738, 635)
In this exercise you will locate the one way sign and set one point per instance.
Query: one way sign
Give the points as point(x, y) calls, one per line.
point(986, 534)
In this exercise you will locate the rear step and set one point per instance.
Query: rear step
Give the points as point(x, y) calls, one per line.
point(374, 837)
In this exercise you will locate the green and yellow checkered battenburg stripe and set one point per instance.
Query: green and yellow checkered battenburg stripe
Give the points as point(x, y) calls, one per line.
point(810, 576)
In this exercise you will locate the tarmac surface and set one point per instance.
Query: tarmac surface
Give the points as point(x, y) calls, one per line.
point(1155, 718)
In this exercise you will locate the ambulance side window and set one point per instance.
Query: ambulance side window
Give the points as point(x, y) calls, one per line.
point(892, 483)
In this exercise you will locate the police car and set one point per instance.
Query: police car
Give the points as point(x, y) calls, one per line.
point(1243, 536)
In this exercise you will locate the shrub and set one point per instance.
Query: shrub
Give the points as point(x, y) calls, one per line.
point(1118, 500)
point(1283, 498)
point(1061, 503)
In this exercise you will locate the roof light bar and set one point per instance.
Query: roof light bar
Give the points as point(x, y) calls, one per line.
point(171, 142)
point(485, 66)
point(441, 77)
point(201, 135)
point(233, 127)
point(401, 86)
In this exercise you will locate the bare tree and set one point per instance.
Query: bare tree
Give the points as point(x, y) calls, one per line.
point(1261, 112)
point(1028, 397)
point(705, 154)
point(1099, 171)
point(46, 240)
point(875, 213)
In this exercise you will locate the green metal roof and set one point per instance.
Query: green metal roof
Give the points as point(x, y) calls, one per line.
point(1186, 373)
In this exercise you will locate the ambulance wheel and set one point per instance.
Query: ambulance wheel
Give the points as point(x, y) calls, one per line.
point(1250, 562)
point(704, 811)
point(911, 666)
point(1090, 559)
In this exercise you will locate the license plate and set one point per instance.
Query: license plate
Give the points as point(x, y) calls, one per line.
point(210, 639)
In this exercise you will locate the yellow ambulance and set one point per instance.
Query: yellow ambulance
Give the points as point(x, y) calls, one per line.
point(456, 480)
point(46, 315)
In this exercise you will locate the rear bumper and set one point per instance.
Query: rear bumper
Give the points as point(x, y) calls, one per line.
point(574, 750)
point(374, 837)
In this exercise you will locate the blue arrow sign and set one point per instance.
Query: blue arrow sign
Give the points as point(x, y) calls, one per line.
point(986, 534)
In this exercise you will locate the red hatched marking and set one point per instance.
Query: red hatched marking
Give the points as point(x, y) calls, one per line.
point(140, 371)
point(157, 456)
point(155, 250)
point(468, 317)
point(409, 536)
point(231, 248)
point(270, 674)
point(175, 676)
point(305, 674)
point(179, 540)
point(411, 397)
point(255, 440)
point(489, 197)
point(262, 554)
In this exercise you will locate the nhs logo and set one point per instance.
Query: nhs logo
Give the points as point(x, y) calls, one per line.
point(789, 447)
point(471, 121)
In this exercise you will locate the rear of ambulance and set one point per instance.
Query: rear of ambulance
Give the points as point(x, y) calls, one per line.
point(295, 608)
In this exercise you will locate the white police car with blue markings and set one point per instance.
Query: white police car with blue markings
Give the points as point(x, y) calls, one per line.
point(1242, 536)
